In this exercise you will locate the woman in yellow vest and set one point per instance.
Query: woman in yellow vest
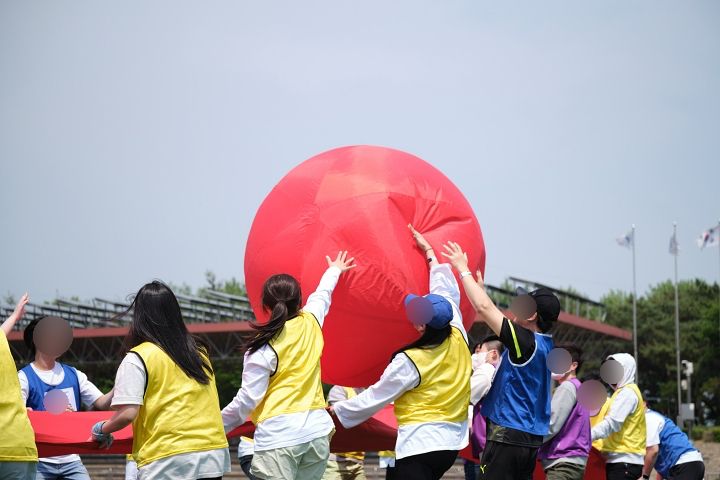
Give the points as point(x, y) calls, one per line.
point(281, 388)
point(429, 381)
point(18, 454)
point(622, 428)
point(165, 387)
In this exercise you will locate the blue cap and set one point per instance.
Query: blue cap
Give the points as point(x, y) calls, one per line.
point(442, 312)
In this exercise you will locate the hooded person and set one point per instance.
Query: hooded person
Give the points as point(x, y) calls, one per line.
point(429, 381)
point(623, 428)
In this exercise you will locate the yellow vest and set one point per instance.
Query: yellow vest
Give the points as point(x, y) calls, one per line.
point(17, 441)
point(443, 394)
point(360, 456)
point(631, 437)
point(179, 414)
point(597, 419)
point(295, 386)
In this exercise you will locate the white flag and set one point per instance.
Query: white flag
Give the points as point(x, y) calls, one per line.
point(674, 246)
point(709, 238)
point(626, 240)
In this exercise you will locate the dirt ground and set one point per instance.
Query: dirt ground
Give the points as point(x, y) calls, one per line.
point(711, 455)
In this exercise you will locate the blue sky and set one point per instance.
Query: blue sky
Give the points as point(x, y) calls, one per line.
point(137, 139)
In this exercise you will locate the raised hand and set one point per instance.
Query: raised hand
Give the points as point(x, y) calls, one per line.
point(454, 253)
point(16, 315)
point(422, 244)
point(342, 262)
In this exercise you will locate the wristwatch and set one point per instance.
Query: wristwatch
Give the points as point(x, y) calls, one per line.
point(645, 476)
point(465, 274)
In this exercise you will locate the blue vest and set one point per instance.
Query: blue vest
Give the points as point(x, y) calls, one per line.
point(38, 389)
point(520, 394)
point(673, 444)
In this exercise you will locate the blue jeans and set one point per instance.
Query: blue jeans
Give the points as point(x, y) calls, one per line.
point(472, 470)
point(62, 471)
point(18, 470)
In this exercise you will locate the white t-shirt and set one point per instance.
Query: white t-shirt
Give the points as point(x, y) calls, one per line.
point(654, 423)
point(89, 393)
point(130, 390)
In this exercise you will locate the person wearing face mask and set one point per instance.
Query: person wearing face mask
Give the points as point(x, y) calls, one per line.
point(623, 427)
point(484, 364)
point(565, 452)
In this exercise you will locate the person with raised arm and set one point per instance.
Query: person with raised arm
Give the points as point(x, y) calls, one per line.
point(428, 379)
point(517, 407)
point(281, 389)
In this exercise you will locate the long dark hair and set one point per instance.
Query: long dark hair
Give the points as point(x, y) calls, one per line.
point(157, 319)
point(282, 298)
point(431, 338)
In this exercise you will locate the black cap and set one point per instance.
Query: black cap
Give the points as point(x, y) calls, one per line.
point(548, 305)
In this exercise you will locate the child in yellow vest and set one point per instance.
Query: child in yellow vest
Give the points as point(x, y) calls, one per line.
point(429, 381)
point(347, 465)
point(281, 388)
point(18, 454)
point(165, 387)
point(622, 429)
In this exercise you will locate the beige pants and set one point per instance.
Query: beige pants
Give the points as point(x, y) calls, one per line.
point(306, 461)
point(344, 470)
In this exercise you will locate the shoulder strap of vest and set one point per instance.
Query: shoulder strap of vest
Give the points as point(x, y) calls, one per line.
point(147, 373)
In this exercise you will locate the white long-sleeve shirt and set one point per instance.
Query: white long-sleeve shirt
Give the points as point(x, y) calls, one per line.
point(288, 429)
point(399, 377)
point(622, 406)
point(481, 381)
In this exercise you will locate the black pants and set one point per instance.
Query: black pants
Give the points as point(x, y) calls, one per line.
point(622, 471)
point(245, 463)
point(426, 466)
point(502, 461)
point(687, 471)
point(390, 474)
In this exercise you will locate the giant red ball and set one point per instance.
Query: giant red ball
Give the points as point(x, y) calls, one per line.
point(360, 199)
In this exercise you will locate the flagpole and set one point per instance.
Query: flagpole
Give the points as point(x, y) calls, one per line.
point(718, 237)
point(677, 325)
point(635, 342)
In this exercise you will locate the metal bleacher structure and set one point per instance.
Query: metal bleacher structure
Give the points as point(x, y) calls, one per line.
point(223, 322)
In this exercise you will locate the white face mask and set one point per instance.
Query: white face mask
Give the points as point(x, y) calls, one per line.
point(559, 376)
point(478, 359)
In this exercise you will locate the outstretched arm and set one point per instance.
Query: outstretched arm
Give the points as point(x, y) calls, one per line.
point(475, 290)
point(17, 314)
point(318, 302)
point(398, 377)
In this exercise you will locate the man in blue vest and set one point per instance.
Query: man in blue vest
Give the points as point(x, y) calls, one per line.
point(670, 451)
point(517, 407)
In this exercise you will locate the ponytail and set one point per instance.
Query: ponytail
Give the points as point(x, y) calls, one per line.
point(281, 298)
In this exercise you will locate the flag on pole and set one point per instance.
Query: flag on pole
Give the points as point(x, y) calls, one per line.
point(626, 240)
point(709, 238)
point(674, 246)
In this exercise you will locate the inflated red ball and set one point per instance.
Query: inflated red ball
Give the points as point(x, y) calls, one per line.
point(360, 199)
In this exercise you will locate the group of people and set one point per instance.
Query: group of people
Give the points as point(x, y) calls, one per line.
point(165, 387)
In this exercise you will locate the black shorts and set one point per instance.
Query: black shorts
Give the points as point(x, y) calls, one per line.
point(426, 466)
point(623, 471)
point(687, 471)
point(503, 461)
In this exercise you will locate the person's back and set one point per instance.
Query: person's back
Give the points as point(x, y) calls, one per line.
point(670, 451)
point(187, 410)
point(165, 387)
point(281, 388)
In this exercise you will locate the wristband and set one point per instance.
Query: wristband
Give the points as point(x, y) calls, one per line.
point(646, 477)
point(430, 259)
point(466, 273)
